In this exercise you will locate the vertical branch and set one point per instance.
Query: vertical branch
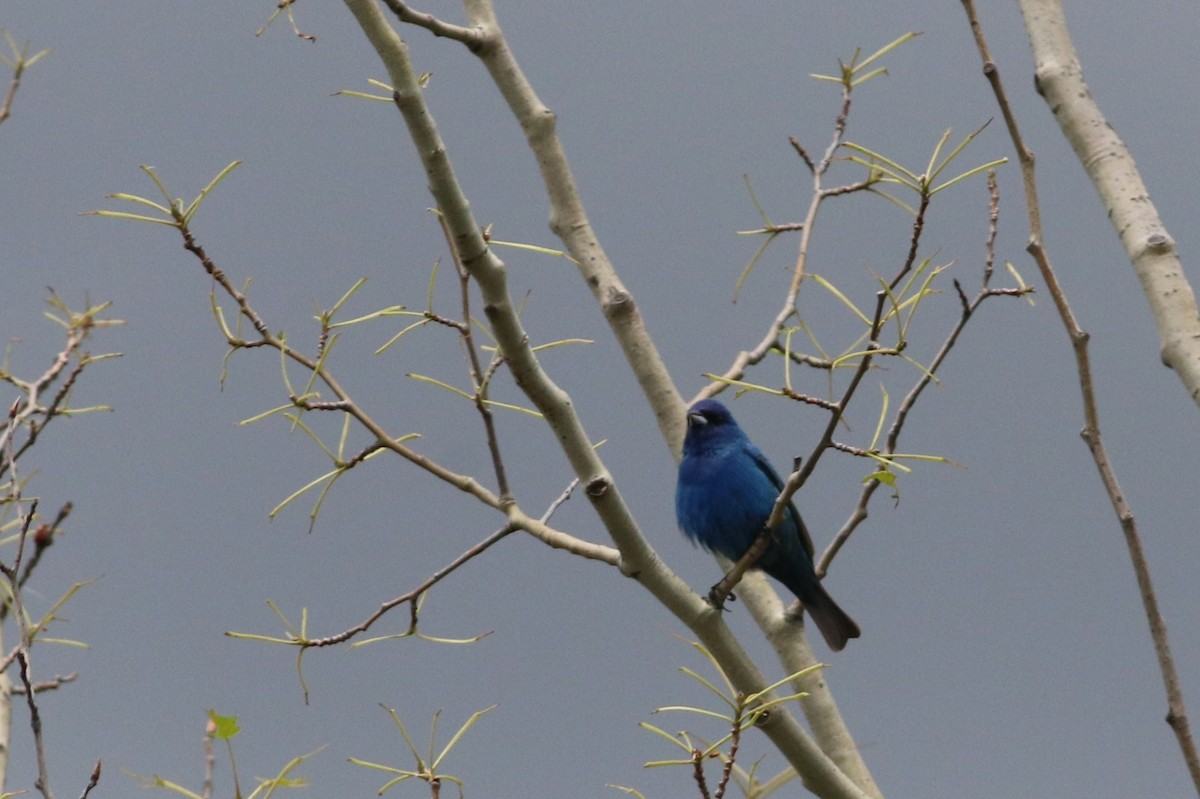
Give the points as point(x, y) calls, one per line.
point(1176, 711)
point(40, 400)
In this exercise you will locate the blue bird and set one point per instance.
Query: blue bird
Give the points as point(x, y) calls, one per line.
point(725, 493)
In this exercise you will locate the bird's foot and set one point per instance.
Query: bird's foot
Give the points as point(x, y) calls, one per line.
point(718, 595)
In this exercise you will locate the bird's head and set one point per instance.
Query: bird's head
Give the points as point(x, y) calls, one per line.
point(709, 423)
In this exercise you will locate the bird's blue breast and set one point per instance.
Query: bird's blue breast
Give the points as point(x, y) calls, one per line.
point(723, 498)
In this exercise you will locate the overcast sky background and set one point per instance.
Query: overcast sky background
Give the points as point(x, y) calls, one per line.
point(1004, 649)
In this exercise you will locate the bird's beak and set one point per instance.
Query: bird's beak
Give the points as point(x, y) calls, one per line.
point(696, 420)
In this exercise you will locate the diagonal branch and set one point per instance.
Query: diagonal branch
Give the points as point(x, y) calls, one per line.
point(345, 403)
point(859, 514)
point(1126, 200)
point(569, 221)
point(413, 596)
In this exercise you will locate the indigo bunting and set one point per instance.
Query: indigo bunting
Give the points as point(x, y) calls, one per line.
point(725, 493)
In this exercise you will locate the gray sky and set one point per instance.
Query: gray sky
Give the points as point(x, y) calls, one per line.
point(1004, 651)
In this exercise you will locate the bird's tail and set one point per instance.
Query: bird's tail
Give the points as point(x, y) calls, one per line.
point(835, 625)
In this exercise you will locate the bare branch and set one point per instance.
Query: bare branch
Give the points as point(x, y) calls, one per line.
point(28, 412)
point(1106, 159)
point(52, 684)
point(472, 37)
point(477, 371)
point(568, 220)
point(42, 783)
point(724, 588)
point(93, 781)
point(345, 403)
point(415, 594)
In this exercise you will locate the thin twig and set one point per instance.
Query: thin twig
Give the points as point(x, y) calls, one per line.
point(719, 593)
point(735, 738)
point(345, 402)
point(53, 684)
point(14, 84)
point(43, 538)
point(860, 512)
point(698, 773)
point(42, 783)
point(477, 371)
point(828, 405)
point(20, 653)
point(799, 148)
point(21, 60)
point(801, 474)
point(993, 217)
point(770, 340)
point(415, 594)
point(29, 409)
point(92, 782)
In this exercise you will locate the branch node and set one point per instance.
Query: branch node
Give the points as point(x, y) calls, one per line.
point(598, 487)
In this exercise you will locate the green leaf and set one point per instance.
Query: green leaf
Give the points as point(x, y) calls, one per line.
point(897, 171)
point(467, 725)
point(969, 173)
point(212, 184)
point(883, 476)
point(887, 48)
point(837, 293)
point(132, 217)
point(226, 726)
point(435, 382)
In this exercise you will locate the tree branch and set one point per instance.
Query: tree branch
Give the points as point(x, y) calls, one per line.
point(1039, 18)
point(413, 596)
point(345, 403)
point(637, 558)
point(471, 37)
point(770, 339)
point(569, 221)
point(1126, 200)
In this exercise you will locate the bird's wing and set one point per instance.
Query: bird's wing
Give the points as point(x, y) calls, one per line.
point(766, 468)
